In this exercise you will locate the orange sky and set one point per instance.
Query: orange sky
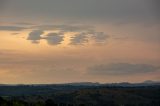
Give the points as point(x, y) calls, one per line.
point(60, 47)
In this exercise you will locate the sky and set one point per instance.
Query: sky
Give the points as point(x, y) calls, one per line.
point(61, 41)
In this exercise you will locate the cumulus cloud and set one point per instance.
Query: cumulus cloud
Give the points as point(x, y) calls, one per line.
point(54, 38)
point(35, 36)
point(122, 69)
point(12, 28)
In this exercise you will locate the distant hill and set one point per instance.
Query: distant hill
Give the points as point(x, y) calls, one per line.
point(6, 89)
point(151, 82)
point(84, 84)
point(127, 84)
point(145, 83)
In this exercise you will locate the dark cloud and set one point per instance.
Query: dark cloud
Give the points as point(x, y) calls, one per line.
point(35, 36)
point(106, 10)
point(83, 34)
point(2, 4)
point(122, 69)
point(24, 23)
point(155, 6)
point(64, 28)
point(84, 37)
point(79, 39)
point(54, 38)
point(100, 37)
point(12, 28)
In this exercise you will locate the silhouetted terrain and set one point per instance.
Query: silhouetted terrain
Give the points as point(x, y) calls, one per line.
point(81, 94)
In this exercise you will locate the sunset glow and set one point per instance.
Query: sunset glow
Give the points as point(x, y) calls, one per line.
point(60, 41)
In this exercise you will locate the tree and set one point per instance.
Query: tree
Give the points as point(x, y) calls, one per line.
point(50, 102)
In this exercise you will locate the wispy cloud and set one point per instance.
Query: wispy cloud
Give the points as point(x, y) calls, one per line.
point(12, 28)
point(122, 69)
point(64, 28)
point(14, 33)
point(24, 23)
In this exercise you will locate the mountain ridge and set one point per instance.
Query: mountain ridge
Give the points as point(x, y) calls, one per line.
point(144, 83)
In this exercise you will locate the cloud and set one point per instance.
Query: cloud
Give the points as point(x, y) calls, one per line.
point(85, 37)
point(24, 23)
point(7, 52)
point(2, 4)
point(54, 38)
point(76, 28)
point(90, 10)
point(122, 69)
point(64, 28)
point(12, 28)
point(83, 34)
point(100, 37)
point(79, 39)
point(35, 36)
point(14, 33)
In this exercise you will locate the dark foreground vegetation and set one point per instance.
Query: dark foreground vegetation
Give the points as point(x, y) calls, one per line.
point(79, 96)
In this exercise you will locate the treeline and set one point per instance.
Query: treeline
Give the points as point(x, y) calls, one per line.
point(114, 96)
point(50, 102)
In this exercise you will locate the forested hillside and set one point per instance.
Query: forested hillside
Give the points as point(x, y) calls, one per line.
point(84, 96)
